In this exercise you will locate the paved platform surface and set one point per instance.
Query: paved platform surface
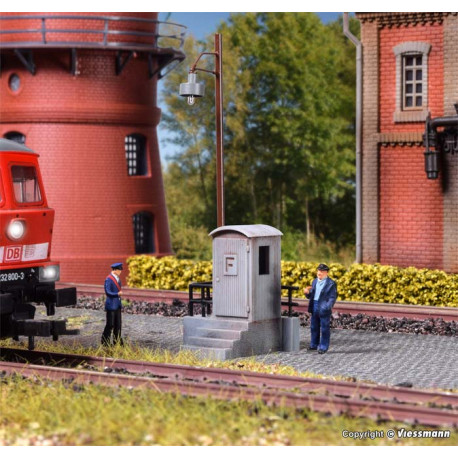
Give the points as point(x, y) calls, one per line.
point(423, 360)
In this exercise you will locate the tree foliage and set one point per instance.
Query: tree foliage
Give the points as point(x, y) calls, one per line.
point(289, 104)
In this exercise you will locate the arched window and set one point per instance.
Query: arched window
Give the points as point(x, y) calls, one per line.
point(15, 137)
point(135, 147)
point(143, 223)
point(411, 81)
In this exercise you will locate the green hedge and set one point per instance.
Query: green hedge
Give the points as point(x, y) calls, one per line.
point(360, 282)
point(167, 272)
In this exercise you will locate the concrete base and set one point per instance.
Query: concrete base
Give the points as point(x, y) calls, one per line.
point(221, 339)
point(290, 333)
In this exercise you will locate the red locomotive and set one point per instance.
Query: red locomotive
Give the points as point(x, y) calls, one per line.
point(27, 275)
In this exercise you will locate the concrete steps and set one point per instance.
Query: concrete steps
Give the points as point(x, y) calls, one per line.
point(212, 323)
point(212, 338)
point(210, 342)
point(220, 354)
point(225, 338)
point(227, 334)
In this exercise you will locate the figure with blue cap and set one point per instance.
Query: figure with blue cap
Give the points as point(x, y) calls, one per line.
point(113, 306)
point(323, 296)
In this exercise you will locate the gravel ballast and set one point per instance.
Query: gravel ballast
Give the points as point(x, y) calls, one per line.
point(433, 326)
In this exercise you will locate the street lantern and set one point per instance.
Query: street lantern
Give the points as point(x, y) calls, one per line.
point(436, 143)
point(193, 89)
point(431, 154)
point(431, 164)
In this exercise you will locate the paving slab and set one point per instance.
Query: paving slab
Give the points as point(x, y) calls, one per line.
point(426, 361)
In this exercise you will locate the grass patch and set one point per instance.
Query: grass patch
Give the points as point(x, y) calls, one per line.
point(184, 357)
point(52, 413)
point(44, 413)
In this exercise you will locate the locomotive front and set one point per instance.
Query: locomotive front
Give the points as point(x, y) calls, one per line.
point(27, 275)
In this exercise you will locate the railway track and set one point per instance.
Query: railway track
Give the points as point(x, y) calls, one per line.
point(415, 312)
point(334, 397)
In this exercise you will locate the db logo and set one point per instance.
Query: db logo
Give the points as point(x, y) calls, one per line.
point(13, 253)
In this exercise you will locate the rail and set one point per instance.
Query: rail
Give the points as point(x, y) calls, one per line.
point(399, 311)
point(357, 399)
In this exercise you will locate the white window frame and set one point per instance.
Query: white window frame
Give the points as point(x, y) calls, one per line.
point(414, 113)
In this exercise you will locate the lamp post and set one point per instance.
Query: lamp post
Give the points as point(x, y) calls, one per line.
point(193, 89)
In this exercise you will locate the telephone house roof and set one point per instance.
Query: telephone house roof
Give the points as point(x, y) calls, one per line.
point(250, 230)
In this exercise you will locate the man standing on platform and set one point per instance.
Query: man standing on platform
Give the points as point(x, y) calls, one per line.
point(322, 295)
point(113, 306)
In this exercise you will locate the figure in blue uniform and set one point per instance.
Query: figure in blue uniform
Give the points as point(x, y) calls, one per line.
point(113, 306)
point(322, 295)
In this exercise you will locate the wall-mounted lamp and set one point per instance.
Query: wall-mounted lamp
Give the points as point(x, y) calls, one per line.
point(436, 142)
point(432, 164)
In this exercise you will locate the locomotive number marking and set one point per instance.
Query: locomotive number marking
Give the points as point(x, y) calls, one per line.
point(12, 276)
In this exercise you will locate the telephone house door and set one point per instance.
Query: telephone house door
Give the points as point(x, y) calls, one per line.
point(230, 277)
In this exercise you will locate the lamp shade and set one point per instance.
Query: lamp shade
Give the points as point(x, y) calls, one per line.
point(192, 88)
point(432, 164)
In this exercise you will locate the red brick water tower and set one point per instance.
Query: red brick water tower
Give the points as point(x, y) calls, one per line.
point(81, 90)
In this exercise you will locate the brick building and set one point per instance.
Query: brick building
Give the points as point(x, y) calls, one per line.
point(81, 90)
point(410, 68)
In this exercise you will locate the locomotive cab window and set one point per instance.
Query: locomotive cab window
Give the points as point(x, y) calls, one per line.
point(25, 184)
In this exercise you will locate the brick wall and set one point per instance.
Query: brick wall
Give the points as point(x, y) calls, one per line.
point(407, 219)
point(411, 210)
point(389, 38)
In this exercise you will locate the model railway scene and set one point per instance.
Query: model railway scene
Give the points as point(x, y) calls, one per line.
point(289, 276)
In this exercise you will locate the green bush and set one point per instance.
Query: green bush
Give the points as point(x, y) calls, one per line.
point(388, 284)
point(360, 282)
point(166, 273)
